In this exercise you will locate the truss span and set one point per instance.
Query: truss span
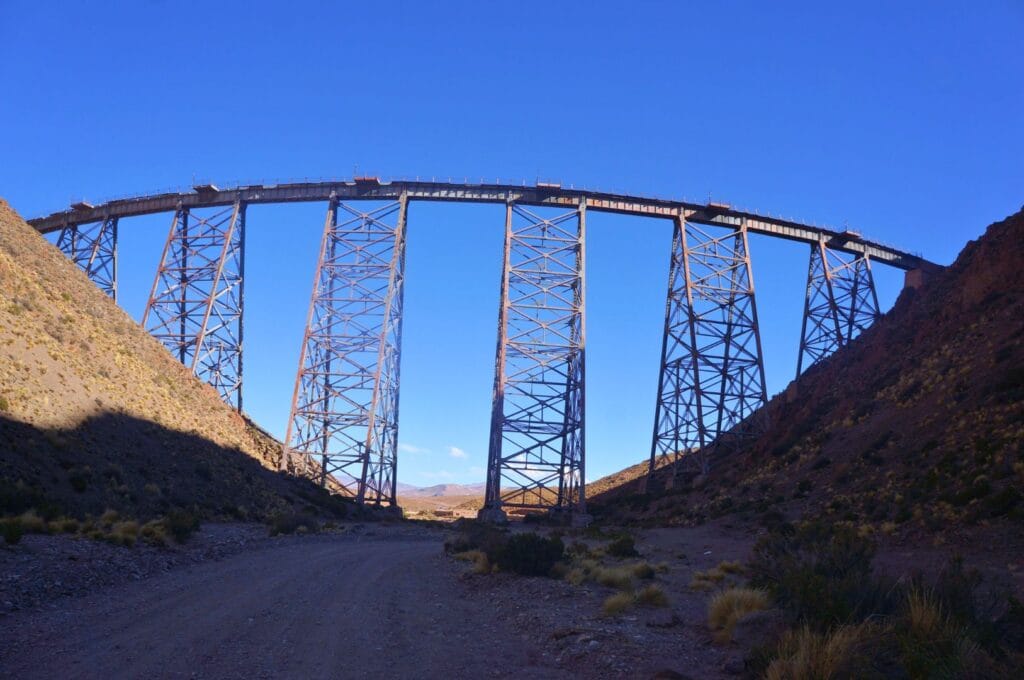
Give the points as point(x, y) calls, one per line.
point(343, 425)
point(538, 195)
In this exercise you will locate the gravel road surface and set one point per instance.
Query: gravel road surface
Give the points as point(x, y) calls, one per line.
point(325, 607)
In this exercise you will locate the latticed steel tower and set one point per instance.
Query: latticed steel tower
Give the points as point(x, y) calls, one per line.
point(535, 458)
point(343, 423)
point(93, 247)
point(712, 375)
point(841, 302)
point(343, 429)
point(195, 306)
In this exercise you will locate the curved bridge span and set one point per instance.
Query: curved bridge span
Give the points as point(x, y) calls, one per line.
point(344, 415)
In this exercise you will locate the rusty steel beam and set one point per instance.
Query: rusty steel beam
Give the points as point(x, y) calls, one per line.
point(93, 247)
point(840, 303)
point(711, 380)
point(536, 455)
point(343, 426)
point(539, 195)
point(195, 305)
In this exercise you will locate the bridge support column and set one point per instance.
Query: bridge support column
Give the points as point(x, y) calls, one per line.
point(535, 458)
point(343, 427)
point(712, 373)
point(195, 305)
point(840, 303)
point(93, 247)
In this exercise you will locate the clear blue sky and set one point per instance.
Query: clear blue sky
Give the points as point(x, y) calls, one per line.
point(903, 120)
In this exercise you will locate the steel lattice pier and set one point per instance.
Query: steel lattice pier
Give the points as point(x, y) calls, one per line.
point(712, 375)
point(536, 450)
point(93, 247)
point(195, 306)
point(344, 415)
point(841, 302)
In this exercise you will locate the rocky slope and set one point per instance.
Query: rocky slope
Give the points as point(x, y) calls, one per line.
point(918, 423)
point(95, 414)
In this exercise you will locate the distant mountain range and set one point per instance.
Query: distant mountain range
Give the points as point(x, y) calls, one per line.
point(440, 490)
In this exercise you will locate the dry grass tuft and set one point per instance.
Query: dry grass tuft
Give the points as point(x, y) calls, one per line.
point(32, 523)
point(729, 567)
point(63, 525)
point(620, 578)
point(481, 565)
point(154, 532)
point(123, 533)
point(707, 580)
point(576, 576)
point(652, 596)
point(806, 655)
point(924, 614)
point(730, 606)
point(617, 604)
point(643, 570)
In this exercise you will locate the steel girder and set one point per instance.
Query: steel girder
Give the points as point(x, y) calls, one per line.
point(712, 373)
point(841, 302)
point(344, 414)
point(536, 452)
point(538, 195)
point(93, 247)
point(195, 305)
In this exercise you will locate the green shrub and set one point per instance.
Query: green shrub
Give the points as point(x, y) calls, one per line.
point(290, 523)
point(821, 575)
point(578, 548)
point(474, 535)
point(623, 546)
point(820, 572)
point(12, 530)
point(181, 524)
point(79, 479)
point(1003, 502)
point(530, 554)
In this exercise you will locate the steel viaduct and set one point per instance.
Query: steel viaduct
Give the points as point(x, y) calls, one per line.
point(343, 424)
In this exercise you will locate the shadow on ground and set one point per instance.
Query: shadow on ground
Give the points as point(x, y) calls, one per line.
point(143, 469)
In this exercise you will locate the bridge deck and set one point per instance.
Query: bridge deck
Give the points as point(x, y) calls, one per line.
point(539, 195)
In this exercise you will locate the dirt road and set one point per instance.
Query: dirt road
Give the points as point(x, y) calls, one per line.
point(324, 607)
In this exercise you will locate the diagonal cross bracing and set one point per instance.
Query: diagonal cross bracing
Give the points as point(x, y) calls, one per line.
point(93, 247)
point(712, 374)
point(195, 306)
point(344, 415)
point(841, 302)
point(536, 449)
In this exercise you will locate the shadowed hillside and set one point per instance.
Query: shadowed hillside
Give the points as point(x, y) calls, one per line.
point(95, 413)
point(142, 469)
point(919, 423)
